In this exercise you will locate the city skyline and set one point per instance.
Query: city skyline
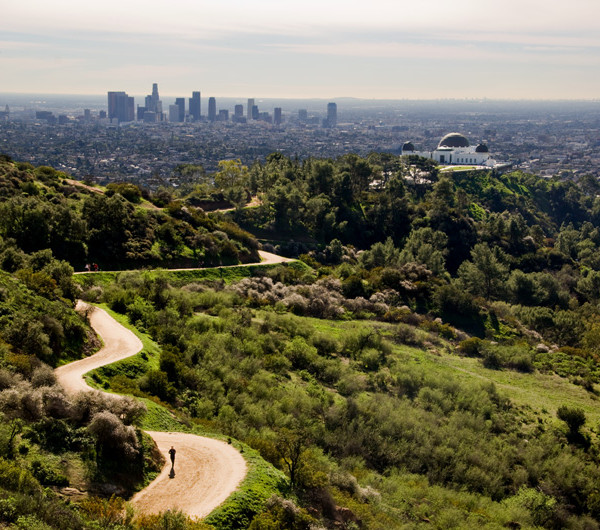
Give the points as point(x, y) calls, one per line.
point(386, 50)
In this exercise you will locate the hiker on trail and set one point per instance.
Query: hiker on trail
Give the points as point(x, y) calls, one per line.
point(172, 455)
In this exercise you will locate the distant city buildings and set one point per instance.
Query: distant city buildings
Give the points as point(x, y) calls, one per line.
point(152, 106)
point(331, 120)
point(194, 106)
point(5, 114)
point(120, 107)
point(173, 113)
point(212, 109)
point(180, 103)
point(121, 110)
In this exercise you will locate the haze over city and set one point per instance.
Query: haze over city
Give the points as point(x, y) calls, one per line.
point(383, 49)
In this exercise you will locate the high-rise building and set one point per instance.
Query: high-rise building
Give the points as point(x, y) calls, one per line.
point(150, 117)
point(154, 98)
point(223, 115)
point(194, 104)
point(174, 113)
point(277, 115)
point(212, 109)
point(121, 107)
point(249, 109)
point(238, 114)
point(331, 114)
point(87, 115)
point(180, 102)
point(302, 115)
point(254, 113)
point(152, 103)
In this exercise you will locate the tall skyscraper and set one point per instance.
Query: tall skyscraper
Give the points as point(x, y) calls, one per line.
point(154, 98)
point(153, 104)
point(331, 114)
point(277, 115)
point(254, 112)
point(238, 111)
point(249, 109)
point(121, 107)
point(212, 109)
point(174, 113)
point(180, 102)
point(194, 104)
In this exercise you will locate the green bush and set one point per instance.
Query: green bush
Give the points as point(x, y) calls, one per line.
point(471, 347)
point(47, 475)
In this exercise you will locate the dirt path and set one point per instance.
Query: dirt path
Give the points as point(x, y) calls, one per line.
point(267, 258)
point(207, 471)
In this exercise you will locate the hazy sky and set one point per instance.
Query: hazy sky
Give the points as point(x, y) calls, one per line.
point(395, 49)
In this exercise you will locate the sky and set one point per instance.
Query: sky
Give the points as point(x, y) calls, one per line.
point(373, 49)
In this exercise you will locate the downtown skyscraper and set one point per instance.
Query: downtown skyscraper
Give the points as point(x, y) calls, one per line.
point(194, 106)
point(121, 107)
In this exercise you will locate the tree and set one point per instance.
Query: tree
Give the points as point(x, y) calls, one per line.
point(426, 246)
point(486, 273)
point(231, 174)
point(290, 447)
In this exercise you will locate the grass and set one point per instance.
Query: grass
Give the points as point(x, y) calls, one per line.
point(542, 393)
point(456, 168)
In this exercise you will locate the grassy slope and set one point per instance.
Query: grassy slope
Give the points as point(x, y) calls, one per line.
point(542, 393)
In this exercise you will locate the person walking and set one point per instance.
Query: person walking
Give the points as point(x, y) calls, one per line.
point(172, 455)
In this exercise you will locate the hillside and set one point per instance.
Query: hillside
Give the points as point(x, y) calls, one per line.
point(433, 361)
point(114, 227)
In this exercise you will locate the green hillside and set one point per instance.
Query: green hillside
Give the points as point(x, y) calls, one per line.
point(113, 227)
point(433, 362)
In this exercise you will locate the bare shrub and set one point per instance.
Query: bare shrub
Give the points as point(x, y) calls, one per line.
point(43, 376)
point(22, 401)
point(55, 402)
point(111, 433)
point(130, 410)
point(8, 379)
point(93, 294)
point(296, 302)
point(87, 404)
point(195, 287)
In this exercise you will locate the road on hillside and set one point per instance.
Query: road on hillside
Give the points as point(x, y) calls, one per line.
point(206, 471)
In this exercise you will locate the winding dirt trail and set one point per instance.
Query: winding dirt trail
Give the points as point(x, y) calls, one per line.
point(207, 471)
